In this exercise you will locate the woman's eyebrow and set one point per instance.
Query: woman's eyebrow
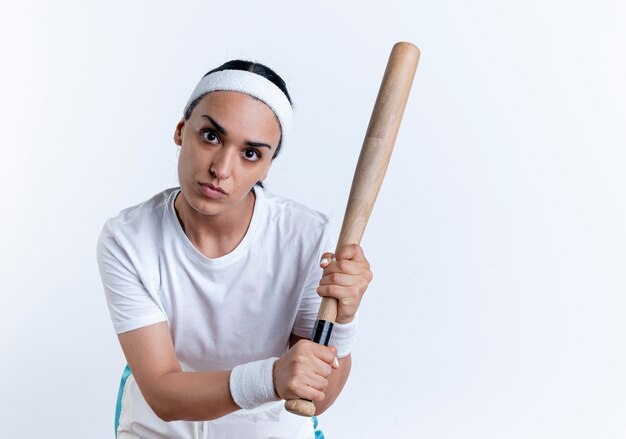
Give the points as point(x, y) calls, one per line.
point(256, 144)
point(221, 129)
point(217, 126)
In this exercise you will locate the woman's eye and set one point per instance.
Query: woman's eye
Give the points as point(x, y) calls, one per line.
point(210, 136)
point(252, 155)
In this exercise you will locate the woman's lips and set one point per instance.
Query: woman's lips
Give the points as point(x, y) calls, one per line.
point(212, 191)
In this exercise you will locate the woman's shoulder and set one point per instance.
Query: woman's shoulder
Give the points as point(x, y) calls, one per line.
point(143, 218)
point(295, 225)
point(286, 208)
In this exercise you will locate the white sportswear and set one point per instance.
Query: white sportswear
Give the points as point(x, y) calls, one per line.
point(221, 312)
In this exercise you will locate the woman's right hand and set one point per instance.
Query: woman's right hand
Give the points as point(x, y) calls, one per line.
point(304, 370)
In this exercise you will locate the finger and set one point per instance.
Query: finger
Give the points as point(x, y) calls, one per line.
point(335, 363)
point(342, 294)
point(325, 353)
point(318, 382)
point(309, 389)
point(344, 280)
point(322, 357)
point(359, 270)
point(312, 394)
point(326, 259)
point(347, 297)
point(351, 251)
point(345, 266)
point(323, 369)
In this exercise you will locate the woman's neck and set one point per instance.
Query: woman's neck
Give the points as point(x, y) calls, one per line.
point(216, 235)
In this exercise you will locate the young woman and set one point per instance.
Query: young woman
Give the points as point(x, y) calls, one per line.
point(213, 287)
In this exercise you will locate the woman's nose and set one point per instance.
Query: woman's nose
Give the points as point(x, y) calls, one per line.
point(221, 167)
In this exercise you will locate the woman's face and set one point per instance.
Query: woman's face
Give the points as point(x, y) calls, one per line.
point(226, 147)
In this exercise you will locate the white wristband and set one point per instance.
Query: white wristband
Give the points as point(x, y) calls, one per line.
point(252, 384)
point(343, 336)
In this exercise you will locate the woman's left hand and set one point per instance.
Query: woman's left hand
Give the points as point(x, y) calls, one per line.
point(345, 278)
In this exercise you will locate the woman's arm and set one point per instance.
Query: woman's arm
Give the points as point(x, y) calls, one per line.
point(171, 393)
point(304, 372)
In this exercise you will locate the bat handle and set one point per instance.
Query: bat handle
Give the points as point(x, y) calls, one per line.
point(302, 407)
point(321, 334)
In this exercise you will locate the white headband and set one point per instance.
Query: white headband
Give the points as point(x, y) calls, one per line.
point(251, 84)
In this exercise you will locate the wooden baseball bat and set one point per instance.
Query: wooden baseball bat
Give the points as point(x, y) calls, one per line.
point(368, 176)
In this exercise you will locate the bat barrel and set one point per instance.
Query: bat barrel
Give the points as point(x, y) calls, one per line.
point(380, 138)
point(379, 141)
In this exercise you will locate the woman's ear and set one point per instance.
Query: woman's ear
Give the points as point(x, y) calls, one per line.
point(178, 133)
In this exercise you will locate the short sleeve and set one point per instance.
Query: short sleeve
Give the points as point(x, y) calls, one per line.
point(310, 301)
point(131, 305)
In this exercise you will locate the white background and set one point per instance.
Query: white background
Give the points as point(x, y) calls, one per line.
point(498, 245)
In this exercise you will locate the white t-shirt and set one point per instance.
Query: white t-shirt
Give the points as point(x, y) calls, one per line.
point(221, 312)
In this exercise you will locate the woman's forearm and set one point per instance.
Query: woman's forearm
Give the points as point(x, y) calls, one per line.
point(192, 396)
point(171, 393)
